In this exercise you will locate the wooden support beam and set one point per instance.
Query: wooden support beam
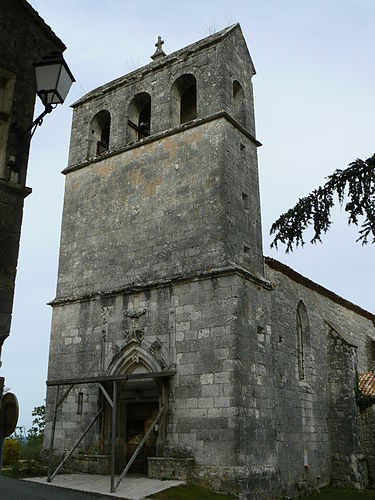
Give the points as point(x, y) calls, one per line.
point(61, 400)
point(107, 396)
point(76, 444)
point(110, 378)
point(138, 129)
point(52, 439)
point(113, 443)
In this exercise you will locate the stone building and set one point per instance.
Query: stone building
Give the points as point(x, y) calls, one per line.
point(166, 306)
point(24, 38)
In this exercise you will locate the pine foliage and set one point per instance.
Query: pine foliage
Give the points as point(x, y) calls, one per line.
point(356, 184)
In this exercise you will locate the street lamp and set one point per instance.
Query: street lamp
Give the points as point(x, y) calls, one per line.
point(53, 81)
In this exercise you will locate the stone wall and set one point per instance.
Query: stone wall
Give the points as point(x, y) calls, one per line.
point(236, 404)
point(128, 219)
point(367, 442)
point(161, 266)
point(170, 468)
point(186, 197)
point(19, 48)
point(191, 321)
point(348, 467)
point(314, 413)
point(215, 62)
point(11, 208)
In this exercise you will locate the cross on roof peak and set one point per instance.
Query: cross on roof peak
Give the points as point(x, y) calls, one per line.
point(159, 52)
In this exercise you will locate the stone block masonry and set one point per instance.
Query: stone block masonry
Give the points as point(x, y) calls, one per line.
point(162, 271)
point(24, 38)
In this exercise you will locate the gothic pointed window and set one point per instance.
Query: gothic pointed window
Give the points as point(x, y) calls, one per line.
point(302, 330)
point(301, 368)
point(183, 100)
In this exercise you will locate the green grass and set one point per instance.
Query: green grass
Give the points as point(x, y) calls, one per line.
point(341, 494)
point(194, 492)
point(24, 468)
point(189, 492)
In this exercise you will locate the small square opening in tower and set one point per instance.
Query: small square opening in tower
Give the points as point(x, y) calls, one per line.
point(80, 403)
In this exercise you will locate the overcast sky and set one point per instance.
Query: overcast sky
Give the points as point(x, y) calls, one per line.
point(314, 101)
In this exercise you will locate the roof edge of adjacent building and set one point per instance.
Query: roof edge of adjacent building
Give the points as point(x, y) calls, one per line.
point(47, 29)
point(308, 283)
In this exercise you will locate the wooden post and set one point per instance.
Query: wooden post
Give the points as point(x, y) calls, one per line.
point(2, 380)
point(113, 443)
point(164, 417)
point(52, 435)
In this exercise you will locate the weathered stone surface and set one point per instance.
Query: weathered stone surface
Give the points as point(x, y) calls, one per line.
point(161, 268)
point(170, 468)
point(24, 39)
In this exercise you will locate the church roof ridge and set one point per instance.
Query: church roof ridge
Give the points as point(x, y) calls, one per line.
point(308, 283)
point(160, 62)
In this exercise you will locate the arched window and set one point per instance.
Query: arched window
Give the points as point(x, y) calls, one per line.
point(303, 340)
point(139, 117)
point(99, 133)
point(183, 103)
point(239, 110)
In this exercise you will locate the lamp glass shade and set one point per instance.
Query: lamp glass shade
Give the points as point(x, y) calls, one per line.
point(53, 79)
point(64, 83)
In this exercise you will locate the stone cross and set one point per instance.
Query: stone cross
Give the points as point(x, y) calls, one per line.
point(159, 52)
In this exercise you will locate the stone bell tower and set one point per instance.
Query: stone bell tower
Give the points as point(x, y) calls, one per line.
point(160, 242)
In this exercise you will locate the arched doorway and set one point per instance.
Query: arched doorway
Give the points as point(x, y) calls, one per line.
point(137, 407)
point(139, 400)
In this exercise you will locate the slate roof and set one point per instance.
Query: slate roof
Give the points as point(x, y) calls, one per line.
point(366, 383)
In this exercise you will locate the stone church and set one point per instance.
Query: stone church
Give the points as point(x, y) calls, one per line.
point(172, 335)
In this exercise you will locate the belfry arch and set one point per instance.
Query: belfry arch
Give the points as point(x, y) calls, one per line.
point(183, 100)
point(139, 117)
point(99, 136)
point(239, 109)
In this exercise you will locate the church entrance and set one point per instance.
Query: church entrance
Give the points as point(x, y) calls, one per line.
point(138, 404)
point(139, 418)
point(132, 408)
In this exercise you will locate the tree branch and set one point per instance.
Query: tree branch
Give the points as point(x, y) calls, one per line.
point(357, 183)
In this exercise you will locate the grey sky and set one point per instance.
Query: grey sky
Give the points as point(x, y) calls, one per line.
point(314, 99)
